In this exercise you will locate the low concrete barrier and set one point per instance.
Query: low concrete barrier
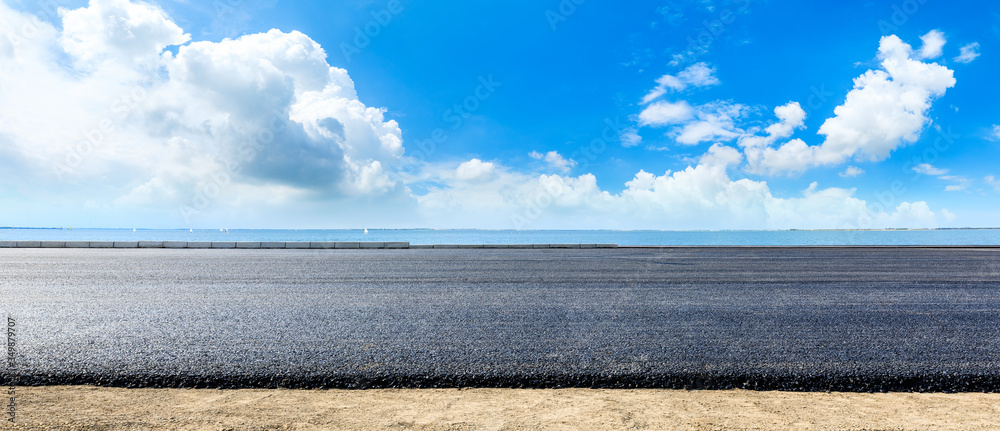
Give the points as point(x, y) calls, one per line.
point(254, 245)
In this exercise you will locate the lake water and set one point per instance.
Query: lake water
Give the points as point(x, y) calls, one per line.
point(427, 236)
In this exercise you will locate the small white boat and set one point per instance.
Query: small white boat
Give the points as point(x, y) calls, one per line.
point(133, 229)
point(366, 231)
point(191, 230)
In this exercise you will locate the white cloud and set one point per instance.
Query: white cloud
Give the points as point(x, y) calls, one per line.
point(696, 75)
point(118, 30)
point(928, 169)
point(721, 155)
point(709, 122)
point(714, 121)
point(252, 122)
point(475, 170)
point(968, 53)
point(996, 132)
point(886, 109)
point(665, 113)
point(698, 197)
point(933, 43)
point(791, 117)
point(992, 181)
point(554, 160)
point(262, 124)
point(852, 171)
point(705, 123)
point(960, 182)
point(630, 137)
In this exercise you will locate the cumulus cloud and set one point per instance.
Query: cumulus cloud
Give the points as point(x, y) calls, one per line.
point(665, 113)
point(703, 196)
point(100, 120)
point(708, 122)
point(475, 170)
point(968, 53)
point(118, 30)
point(933, 43)
point(791, 117)
point(696, 75)
point(554, 160)
point(713, 122)
point(254, 122)
point(886, 109)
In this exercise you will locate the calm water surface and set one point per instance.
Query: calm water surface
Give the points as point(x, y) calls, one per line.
point(423, 236)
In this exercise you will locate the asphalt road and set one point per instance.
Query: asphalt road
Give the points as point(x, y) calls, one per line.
point(856, 319)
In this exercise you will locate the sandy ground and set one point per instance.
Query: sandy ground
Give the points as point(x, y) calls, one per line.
point(82, 407)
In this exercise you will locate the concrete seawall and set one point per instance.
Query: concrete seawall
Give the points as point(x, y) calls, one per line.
point(255, 245)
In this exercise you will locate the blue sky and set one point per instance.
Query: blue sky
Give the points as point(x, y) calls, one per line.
point(742, 114)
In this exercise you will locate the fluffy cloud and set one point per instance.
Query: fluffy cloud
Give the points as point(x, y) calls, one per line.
point(886, 109)
point(101, 121)
point(703, 196)
point(696, 75)
point(665, 113)
point(713, 122)
point(933, 43)
point(475, 170)
point(709, 122)
point(256, 122)
point(554, 160)
point(791, 117)
point(118, 30)
point(705, 123)
point(968, 53)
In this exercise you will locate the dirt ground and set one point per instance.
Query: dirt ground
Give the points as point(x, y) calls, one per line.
point(84, 407)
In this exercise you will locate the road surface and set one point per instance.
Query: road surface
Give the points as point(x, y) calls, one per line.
point(849, 319)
